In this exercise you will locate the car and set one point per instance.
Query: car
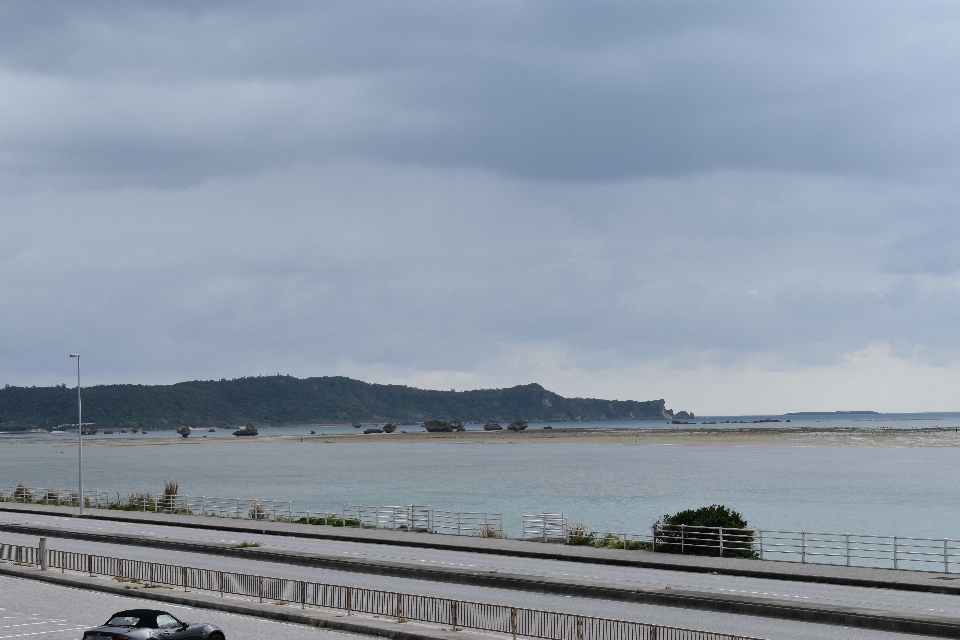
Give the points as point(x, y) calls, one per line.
point(151, 624)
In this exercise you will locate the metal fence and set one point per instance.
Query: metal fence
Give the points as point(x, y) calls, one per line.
point(406, 517)
point(457, 614)
point(850, 549)
point(854, 549)
point(64, 497)
point(545, 527)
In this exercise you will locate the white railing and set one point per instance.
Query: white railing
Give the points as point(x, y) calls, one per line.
point(856, 549)
point(407, 517)
point(545, 527)
point(54, 496)
point(846, 549)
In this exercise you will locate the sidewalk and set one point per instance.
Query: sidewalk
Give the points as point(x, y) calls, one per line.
point(920, 581)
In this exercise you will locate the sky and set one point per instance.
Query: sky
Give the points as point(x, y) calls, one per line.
point(739, 207)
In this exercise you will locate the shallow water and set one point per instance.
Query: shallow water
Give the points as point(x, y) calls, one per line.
point(904, 491)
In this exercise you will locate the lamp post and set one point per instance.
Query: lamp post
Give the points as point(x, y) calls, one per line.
point(79, 431)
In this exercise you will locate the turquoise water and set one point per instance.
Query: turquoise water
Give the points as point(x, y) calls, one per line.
point(904, 491)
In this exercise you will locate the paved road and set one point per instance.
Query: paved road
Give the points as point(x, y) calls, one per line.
point(760, 627)
point(893, 601)
point(40, 611)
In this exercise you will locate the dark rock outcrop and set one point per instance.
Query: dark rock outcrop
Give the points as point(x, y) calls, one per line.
point(492, 426)
point(517, 425)
point(437, 426)
point(248, 430)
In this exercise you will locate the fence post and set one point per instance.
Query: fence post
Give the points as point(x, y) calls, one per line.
point(683, 528)
point(760, 531)
point(399, 608)
point(458, 528)
point(453, 615)
point(803, 547)
point(220, 582)
point(260, 588)
point(151, 573)
point(579, 628)
point(895, 552)
point(90, 564)
point(349, 600)
point(624, 542)
point(513, 622)
point(653, 530)
point(946, 568)
point(185, 581)
point(303, 594)
point(654, 633)
point(42, 552)
point(848, 549)
point(721, 541)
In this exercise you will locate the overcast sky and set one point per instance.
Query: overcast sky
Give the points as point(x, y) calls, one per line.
point(738, 207)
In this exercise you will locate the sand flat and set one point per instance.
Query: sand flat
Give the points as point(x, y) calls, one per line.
point(758, 436)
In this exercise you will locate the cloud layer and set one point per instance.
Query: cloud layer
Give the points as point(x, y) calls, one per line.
point(722, 206)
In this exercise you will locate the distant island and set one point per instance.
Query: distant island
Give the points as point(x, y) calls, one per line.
point(829, 413)
point(286, 400)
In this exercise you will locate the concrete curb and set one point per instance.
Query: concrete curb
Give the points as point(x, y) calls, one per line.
point(312, 617)
point(789, 571)
point(720, 603)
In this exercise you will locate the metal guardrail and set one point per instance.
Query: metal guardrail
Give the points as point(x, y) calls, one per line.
point(408, 517)
point(854, 549)
point(850, 549)
point(457, 614)
point(545, 527)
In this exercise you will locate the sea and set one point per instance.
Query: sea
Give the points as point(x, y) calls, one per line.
point(908, 491)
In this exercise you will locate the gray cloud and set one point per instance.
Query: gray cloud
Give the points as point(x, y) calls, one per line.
point(181, 93)
point(490, 193)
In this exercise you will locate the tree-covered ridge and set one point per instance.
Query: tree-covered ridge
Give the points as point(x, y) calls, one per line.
point(278, 400)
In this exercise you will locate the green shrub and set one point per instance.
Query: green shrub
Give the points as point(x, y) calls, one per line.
point(684, 532)
point(578, 536)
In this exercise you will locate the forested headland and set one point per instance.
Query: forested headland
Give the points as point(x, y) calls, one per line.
point(286, 400)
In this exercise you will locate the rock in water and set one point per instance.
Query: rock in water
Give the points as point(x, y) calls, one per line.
point(492, 426)
point(517, 425)
point(437, 426)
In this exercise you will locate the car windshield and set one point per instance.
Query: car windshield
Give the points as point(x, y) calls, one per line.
point(123, 621)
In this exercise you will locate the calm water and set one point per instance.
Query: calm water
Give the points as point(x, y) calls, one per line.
point(906, 491)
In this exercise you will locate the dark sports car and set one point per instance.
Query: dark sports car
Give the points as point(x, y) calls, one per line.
point(150, 624)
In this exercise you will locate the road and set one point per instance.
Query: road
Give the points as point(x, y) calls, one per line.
point(645, 578)
point(40, 611)
point(836, 595)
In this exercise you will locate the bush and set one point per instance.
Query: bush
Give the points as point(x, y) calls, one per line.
point(578, 536)
point(257, 512)
point(696, 532)
point(23, 493)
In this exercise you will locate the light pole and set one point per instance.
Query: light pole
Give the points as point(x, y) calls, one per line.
point(79, 431)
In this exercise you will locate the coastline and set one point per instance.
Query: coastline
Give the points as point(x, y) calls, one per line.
point(759, 436)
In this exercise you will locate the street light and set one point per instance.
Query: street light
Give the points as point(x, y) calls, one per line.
point(79, 430)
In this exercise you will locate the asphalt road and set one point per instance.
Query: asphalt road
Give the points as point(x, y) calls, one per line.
point(40, 611)
point(747, 625)
point(836, 595)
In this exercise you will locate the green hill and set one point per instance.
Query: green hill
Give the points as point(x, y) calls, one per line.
point(279, 400)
